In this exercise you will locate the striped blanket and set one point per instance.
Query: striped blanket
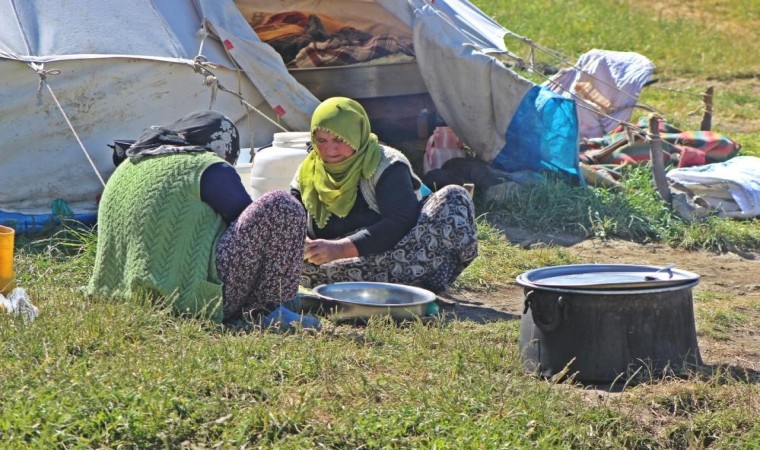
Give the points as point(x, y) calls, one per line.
point(337, 52)
point(680, 148)
point(317, 40)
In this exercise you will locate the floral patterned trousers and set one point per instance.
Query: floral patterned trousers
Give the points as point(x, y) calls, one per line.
point(259, 256)
point(434, 252)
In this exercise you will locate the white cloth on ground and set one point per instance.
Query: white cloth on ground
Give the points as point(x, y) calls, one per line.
point(18, 303)
point(723, 184)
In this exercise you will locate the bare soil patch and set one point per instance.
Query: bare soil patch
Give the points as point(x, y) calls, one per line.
point(732, 278)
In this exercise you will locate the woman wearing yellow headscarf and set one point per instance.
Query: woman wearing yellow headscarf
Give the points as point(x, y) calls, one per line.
point(367, 218)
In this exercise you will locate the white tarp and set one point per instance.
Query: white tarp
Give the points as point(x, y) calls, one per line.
point(606, 84)
point(47, 30)
point(731, 188)
point(474, 93)
point(115, 68)
point(261, 63)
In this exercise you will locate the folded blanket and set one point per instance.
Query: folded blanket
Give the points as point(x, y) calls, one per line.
point(731, 187)
point(288, 32)
point(317, 40)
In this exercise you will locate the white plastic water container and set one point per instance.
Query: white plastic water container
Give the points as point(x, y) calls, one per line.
point(273, 167)
point(243, 168)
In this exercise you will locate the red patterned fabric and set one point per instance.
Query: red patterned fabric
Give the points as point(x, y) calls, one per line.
point(680, 148)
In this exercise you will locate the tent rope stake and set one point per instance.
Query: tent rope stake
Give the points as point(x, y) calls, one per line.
point(42, 73)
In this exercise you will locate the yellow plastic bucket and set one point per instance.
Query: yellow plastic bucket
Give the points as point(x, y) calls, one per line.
point(6, 259)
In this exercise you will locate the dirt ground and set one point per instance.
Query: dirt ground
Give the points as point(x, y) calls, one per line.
point(735, 277)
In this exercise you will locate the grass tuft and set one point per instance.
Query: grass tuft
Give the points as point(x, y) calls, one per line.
point(636, 213)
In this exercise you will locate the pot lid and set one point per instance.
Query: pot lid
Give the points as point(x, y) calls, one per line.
point(606, 276)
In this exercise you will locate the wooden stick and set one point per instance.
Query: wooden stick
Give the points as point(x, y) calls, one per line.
point(707, 99)
point(655, 153)
point(598, 155)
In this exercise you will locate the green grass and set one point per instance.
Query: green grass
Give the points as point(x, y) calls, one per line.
point(499, 262)
point(679, 40)
point(93, 374)
point(718, 323)
point(89, 373)
point(723, 318)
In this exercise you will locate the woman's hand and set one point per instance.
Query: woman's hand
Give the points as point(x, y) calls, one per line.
point(321, 251)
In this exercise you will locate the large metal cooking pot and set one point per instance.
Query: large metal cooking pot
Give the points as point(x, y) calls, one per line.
point(599, 333)
point(363, 299)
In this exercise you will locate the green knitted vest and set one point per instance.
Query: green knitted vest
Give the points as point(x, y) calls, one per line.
point(157, 237)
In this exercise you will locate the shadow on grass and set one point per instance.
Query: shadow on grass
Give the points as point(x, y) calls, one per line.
point(453, 308)
point(727, 372)
point(530, 239)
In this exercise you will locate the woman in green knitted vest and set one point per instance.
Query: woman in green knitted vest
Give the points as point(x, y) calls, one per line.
point(367, 218)
point(176, 223)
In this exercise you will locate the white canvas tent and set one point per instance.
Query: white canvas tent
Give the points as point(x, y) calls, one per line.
point(76, 76)
point(111, 68)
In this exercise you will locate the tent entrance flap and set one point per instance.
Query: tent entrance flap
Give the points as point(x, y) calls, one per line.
point(355, 49)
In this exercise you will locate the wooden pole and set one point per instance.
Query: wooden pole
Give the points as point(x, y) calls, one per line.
point(655, 153)
point(707, 99)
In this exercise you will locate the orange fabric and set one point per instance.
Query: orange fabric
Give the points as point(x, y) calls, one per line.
point(275, 26)
point(272, 32)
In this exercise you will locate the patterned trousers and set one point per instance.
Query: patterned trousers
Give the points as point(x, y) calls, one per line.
point(259, 255)
point(434, 252)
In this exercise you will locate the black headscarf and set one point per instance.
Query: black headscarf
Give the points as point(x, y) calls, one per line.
point(202, 131)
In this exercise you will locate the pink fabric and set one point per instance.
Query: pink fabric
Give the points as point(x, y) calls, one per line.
point(442, 146)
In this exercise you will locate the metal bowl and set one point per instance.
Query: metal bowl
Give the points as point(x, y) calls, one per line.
point(362, 300)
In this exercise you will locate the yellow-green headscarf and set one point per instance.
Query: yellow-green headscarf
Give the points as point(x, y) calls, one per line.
point(331, 188)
